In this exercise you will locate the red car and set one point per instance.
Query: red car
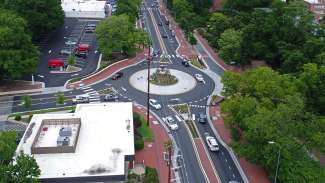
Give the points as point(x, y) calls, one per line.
point(83, 48)
point(52, 63)
point(117, 75)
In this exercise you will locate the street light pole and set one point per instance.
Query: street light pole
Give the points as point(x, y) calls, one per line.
point(148, 92)
point(278, 161)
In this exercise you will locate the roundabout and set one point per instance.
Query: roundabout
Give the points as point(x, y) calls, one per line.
point(184, 82)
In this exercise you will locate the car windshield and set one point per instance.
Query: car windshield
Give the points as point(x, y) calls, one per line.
point(171, 120)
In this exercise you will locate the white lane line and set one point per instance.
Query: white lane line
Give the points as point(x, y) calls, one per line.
point(92, 92)
point(88, 90)
point(85, 87)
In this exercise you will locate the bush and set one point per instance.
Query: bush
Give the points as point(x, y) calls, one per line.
point(60, 98)
point(27, 101)
point(17, 117)
point(30, 118)
point(235, 134)
point(151, 176)
point(139, 143)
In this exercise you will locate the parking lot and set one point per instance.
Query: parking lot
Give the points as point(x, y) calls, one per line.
point(54, 46)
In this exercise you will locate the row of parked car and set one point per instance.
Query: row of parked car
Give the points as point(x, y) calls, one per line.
point(80, 50)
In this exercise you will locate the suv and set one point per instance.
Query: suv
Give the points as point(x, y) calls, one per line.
point(212, 142)
point(202, 118)
point(154, 103)
point(81, 99)
point(156, 52)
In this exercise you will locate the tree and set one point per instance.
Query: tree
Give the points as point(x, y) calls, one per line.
point(230, 46)
point(216, 25)
point(192, 39)
point(41, 16)
point(71, 60)
point(7, 146)
point(183, 11)
point(18, 56)
point(245, 5)
point(60, 98)
point(27, 101)
point(128, 7)
point(261, 106)
point(24, 169)
point(118, 34)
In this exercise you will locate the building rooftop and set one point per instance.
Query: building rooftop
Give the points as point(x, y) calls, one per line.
point(104, 143)
point(84, 8)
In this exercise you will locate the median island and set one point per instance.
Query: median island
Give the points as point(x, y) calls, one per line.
point(163, 77)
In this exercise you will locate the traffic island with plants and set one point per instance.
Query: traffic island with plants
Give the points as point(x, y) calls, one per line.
point(142, 132)
point(163, 77)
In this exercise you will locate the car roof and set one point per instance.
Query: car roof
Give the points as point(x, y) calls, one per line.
point(212, 140)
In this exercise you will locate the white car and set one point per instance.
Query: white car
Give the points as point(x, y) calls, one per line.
point(154, 103)
point(212, 142)
point(81, 99)
point(199, 77)
point(171, 123)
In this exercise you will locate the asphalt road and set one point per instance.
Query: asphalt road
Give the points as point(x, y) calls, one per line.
point(190, 170)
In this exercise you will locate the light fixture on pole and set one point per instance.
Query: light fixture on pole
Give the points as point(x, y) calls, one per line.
point(278, 162)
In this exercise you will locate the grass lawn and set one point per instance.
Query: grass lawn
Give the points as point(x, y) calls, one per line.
point(163, 79)
point(106, 91)
point(144, 130)
point(196, 63)
point(183, 108)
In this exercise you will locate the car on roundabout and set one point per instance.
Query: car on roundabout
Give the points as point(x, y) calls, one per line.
point(211, 142)
point(171, 123)
point(199, 77)
point(155, 104)
point(117, 75)
point(185, 63)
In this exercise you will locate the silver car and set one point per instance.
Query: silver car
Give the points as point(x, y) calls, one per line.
point(212, 142)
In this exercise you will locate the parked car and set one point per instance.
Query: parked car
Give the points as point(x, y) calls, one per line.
point(202, 118)
point(81, 99)
point(111, 97)
point(83, 48)
point(52, 63)
point(71, 42)
point(199, 77)
point(65, 52)
point(155, 104)
point(117, 75)
point(185, 63)
point(170, 122)
point(211, 141)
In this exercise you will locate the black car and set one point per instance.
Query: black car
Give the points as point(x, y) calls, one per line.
point(81, 54)
point(202, 118)
point(111, 97)
point(185, 63)
point(164, 35)
point(117, 75)
point(160, 23)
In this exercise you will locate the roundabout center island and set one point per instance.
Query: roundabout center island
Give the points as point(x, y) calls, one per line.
point(163, 82)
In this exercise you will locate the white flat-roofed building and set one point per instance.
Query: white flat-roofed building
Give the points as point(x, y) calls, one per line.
point(100, 147)
point(84, 8)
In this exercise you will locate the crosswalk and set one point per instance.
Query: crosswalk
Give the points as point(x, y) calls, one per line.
point(170, 56)
point(94, 96)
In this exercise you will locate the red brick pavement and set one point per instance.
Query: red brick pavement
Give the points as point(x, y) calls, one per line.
point(152, 154)
point(106, 72)
point(254, 173)
point(207, 166)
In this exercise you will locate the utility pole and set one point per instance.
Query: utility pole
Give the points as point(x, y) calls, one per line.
point(148, 92)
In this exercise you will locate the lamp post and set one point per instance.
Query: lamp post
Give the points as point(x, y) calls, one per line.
point(148, 92)
point(278, 163)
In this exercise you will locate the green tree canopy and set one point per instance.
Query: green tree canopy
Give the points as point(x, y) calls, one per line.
point(18, 56)
point(128, 7)
point(263, 105)
point(118, 34)
point(230, 47)
point(41, 16)
point(7, 146)
point(216, 25)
